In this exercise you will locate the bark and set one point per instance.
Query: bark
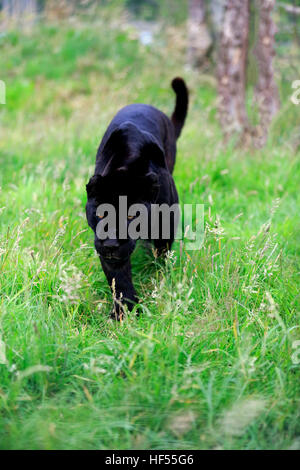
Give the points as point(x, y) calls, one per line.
point(266, 92)
point(232, 67)
point(199, 38)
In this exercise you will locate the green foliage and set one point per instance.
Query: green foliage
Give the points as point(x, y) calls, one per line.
point(209, 363)
point(171, 11)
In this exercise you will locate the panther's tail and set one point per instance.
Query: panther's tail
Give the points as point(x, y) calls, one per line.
point(181, 106)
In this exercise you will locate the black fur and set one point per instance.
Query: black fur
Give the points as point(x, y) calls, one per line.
point(135, 158)
point(181, 106)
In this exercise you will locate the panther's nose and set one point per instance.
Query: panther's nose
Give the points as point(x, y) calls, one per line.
point(111, 243)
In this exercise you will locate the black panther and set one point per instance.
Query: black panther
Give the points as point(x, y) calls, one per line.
point(135, 159)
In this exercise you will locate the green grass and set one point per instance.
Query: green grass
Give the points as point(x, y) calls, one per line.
point(209, 364)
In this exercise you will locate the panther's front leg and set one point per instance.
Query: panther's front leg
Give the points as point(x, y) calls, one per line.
point(119, 278)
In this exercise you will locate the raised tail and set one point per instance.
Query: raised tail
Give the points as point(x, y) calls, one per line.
point(181, 106)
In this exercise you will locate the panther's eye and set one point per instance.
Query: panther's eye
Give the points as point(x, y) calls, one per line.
point(130, 217)
point(100, 217)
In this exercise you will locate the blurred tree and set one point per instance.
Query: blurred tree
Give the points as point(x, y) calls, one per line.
point(199, 37)
point(232, 71)
point(232, 67)
point(266, 92)
point(19, 12)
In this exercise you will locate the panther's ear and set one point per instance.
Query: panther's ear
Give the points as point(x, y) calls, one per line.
point(114, 151)
point(92, 188)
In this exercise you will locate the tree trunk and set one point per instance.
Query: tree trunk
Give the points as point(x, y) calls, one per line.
point(232, 67)
point(199, 38)
point(19, 13)
point(266, 92)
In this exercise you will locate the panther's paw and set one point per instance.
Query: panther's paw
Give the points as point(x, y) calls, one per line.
point(119, 312)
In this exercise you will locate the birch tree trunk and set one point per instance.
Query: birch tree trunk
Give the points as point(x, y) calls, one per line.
point(199, 38)
point(232, 65)
point(266, 92)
